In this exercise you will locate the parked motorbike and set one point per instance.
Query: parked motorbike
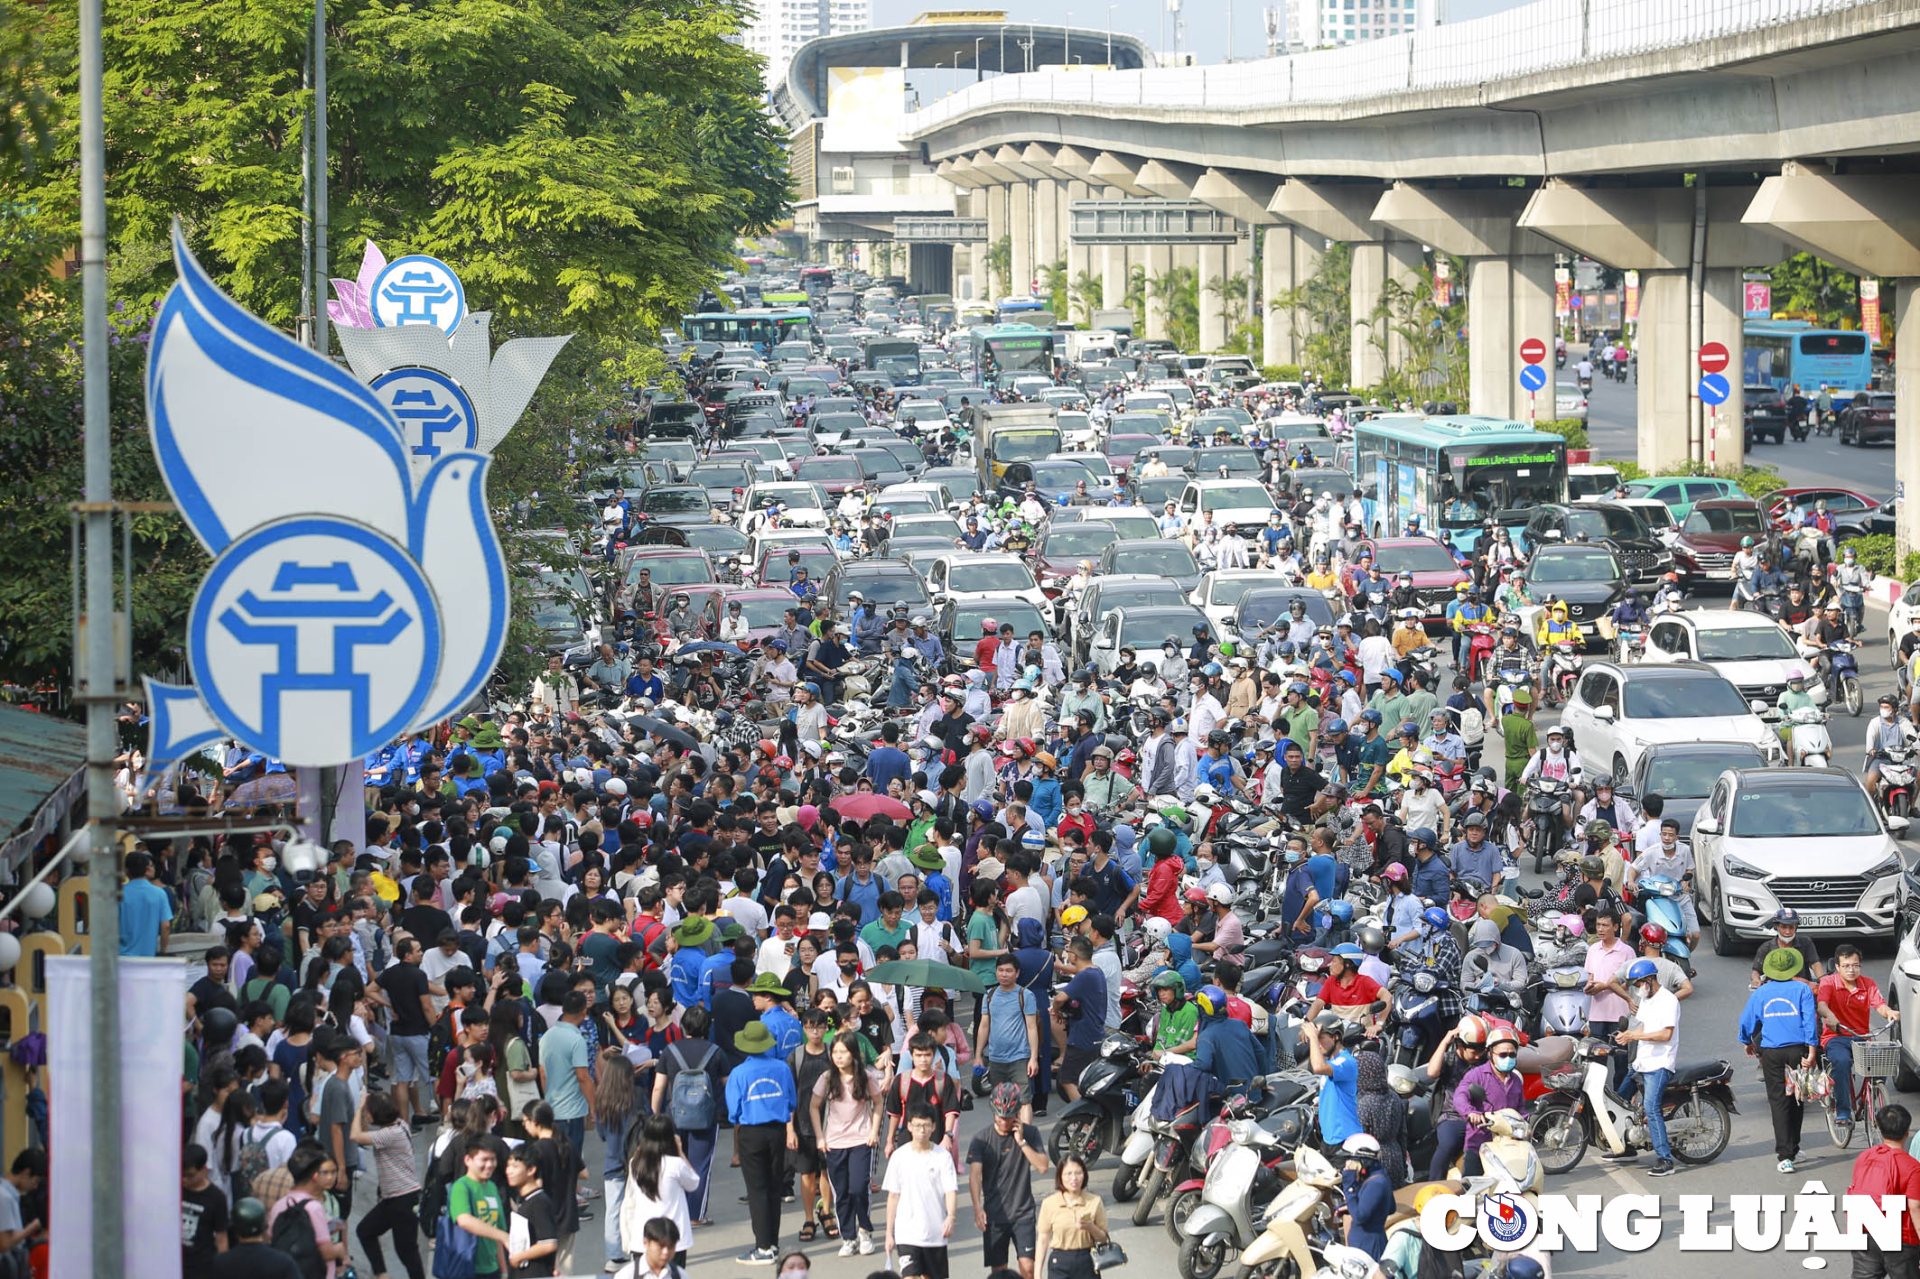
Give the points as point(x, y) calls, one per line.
point(1298, 1223)
point(1111, 1089)
point(1583, 1111)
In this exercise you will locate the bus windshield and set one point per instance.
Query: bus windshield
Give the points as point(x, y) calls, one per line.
point(1483, 479)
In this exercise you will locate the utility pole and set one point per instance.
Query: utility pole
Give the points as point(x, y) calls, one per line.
point(97, 665)
point(322, 337)
point(305, 329)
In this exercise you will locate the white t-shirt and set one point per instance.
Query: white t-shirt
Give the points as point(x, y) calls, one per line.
point(1027, 903)
point(775, 956)
point(1658, 1012)
point(1376, 654)
point(747, 912)
point(923, 1180)
point(1422, 808)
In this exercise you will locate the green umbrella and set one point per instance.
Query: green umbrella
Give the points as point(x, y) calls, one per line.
point(925, 972)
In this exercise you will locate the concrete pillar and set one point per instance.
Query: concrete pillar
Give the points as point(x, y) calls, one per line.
point(1366, 360)
point(1508, 301)
point(1113, 276)
point(1049, 240)
point(1213, 262)
point(1020, 227)
point(996, 231)
point(1160, 260)
point(1405, 261)
point(1277, 343)
point(1667, 371)
point(1906, 399)
point(1723, 320)
point(1080, 257)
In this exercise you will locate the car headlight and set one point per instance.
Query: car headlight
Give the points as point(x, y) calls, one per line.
point(1742, 869)
point(1891, 866)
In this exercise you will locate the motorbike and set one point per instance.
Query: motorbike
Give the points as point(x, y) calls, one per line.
point(1480, 644)
point(1658, 899)
point(1507, 1155)
point(1559, 672)
point(1582, 1111)
point(1242, 1179)
point(1808, 743)
point(1546, 803)
point(1630, 641)
point(1298, 1223)
point(1111, 1089)
point(1586, 386)
point(1500, 1003)
point(1173, 1137)
point(1511, 670)
point(1896, 780)
point(1772, 602)
point(1414, 1015)
point(1797, 427)
point(1843, 676)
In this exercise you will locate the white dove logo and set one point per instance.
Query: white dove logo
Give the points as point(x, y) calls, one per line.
point(350, 599)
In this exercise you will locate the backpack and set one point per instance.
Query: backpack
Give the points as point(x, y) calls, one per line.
point(293, 1234)
point(646, 930)
point(250, 1163)
point(690, 1100)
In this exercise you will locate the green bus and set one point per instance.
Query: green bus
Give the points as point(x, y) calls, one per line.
point(760, 327)
point(1453, 472)
point(1001, 351)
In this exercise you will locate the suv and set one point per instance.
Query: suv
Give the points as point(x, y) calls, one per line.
point(972, 575)
point(1242, 503)
point(1750, 649)
point(1868, 420)
point(1589, 578)
point(1160, 556)
point(1681, 491)
point(1764, 413)
point(1143, 629)
point(1617, 712)
point(1710, 537)
point(1619, 526)
point(1807, 838)
point(883, 582)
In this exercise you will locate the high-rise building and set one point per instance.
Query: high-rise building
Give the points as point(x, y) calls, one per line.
point(780, 27)
point(1319, 24)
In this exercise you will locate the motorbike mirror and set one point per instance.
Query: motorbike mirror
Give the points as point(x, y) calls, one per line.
point(1377, 1006)
point(1478, 1095)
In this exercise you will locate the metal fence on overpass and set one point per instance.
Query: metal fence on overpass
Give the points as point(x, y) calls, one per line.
point(1546, 35)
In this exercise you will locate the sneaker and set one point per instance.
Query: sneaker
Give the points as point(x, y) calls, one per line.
point(756, 1257)
point(1662, 1168)
point(1619, 1157)
point(846, 1247)
point(1786, 1165)
point(866, 1243)
point(787, 1198)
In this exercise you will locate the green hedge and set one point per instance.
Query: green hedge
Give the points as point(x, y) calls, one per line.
point(1571, 429)
point(1281, 372)
point(1874, 552)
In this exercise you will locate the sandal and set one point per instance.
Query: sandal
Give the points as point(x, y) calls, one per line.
point(807, 1232)
point(828, 1226)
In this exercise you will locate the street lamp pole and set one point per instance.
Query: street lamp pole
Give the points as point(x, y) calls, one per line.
point(322, 337)
point(1109, 35)
point(976, 58)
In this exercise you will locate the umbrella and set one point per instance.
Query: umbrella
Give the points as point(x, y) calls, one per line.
point(711, 646)
point(665, 731)
point(862, 807)
point(925, 972)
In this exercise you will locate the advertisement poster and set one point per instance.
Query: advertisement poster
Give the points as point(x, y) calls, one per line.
point(1633, 297)
point(1562, 291)
point(1758, 299)
point(1442, 282)
point(1870, 309)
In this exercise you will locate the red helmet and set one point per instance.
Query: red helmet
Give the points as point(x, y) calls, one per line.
point(1652, 935)
point(1471, 1030)
point(1198, 896)
point(982, 731)
point(781, 761)
point(767, 746)
point(1028, 746)
point(1128, 757)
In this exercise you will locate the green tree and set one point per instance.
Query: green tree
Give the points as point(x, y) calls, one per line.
point(1808, 288)
point(1054, 287)
point(1177, 291)
point(1243, 331)
point(1426, 338)
point(1087, 293)
point(1136, 297)
point(1319, 311)
point(1000, 265)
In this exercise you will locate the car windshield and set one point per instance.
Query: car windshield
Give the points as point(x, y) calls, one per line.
point(1177, 458)
point(1325, 480)
point(1683, 697)
point(1823, 809)
point(1744, 644)
point(1142, 632)
point(1724, 519)
point(670, 450)
point(975, 578)
point(1024, 616)
point(925, 526)
point(828, 468)
point(793, 496)
point(1548, 567)
point(836, 423)
point(720, 475)
point(1172, 559)
point(768, 611)
point(885, 588)
point(1261, 608)
point(1236, 496)
point(675, 501)
point(1603, 521)
point(1422, 557)
point(1139, 594)
point(1132, 525)
point(1126, 447)
point(1085, 538)
point(717, 540)
point(1060, 477)
point(1691, 776)
point(676, 570)
point(1160, 490)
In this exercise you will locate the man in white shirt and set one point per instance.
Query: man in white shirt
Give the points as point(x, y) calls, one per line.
point(1655, 1036)
point(809, 716)
point(1376, 654)
point(776, 952)
point(1206, 713)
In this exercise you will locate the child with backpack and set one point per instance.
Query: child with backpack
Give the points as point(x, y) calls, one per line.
point(687, 1089)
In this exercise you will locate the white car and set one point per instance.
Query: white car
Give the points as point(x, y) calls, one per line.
point(970, 575)
point(1900, 619)
point(1245, 503)
point(1750, 649)
point(806, 504)
point(1077, 430)
point(1903, 991)
point(1809, 839)
point(1219, 592)
point(1654, 513)
point(1569, 401)
point(1096, 463)
point(1617, 711)
point(1591, 482)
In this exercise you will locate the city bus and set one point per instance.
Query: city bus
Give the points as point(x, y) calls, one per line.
point(816, 281)
point(1009, 310)
point(760, 327)
point(1003, 350)
point(1453, 472)
point(1789, 353)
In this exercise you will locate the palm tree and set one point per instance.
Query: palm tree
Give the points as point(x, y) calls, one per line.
point(1087, 292)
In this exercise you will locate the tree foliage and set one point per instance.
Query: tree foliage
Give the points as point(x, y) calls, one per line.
point(1423, 344)
point(1087, 292)
point(1320, 311)
point(999, 267)
point(1177, 292)
point(1807, 288)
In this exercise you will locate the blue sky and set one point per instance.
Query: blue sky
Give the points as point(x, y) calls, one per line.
point(1206, 20)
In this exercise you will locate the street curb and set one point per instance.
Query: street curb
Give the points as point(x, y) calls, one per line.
point(1885, 591)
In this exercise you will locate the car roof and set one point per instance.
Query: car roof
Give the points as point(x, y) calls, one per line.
point(1146, 541)
point(1765, 777)
point(1724, 503)
point(872, 568)
point(1577, 548)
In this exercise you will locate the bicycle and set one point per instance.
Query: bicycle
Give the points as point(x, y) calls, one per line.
point(1876, 1057)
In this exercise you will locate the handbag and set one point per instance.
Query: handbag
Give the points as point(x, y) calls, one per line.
point(1106, 1255)
point(453, 1250)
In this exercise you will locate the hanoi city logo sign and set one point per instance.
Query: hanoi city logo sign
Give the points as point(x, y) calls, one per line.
point(357, 588)
point(417, 289)
point(1506, 1221)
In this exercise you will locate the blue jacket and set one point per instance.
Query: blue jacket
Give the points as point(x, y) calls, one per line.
point(785, 1029)
point(1226, 1051)
point(717, 967)
point(1432, 879)
point(866, 896)
point(1782, 1014)
point(760, 1090)
point(1047, 800)
point(684, 971)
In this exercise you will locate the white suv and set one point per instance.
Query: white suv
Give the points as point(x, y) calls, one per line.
point(1245, 503)
point(1617, 711)
point(970, 575)
point(1750, 649)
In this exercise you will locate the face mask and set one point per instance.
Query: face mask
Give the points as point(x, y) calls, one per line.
point(1206, 863)
point(1505, 1065)
point(1886, 712)
point(268, 863)
point(1292, 857)
point(1419, 783)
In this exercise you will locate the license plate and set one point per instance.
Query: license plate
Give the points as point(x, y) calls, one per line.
point(1824, 921)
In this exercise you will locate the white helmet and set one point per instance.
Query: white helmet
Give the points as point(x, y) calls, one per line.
point(1362, 1144)
point(1220, 893)
point(1159, 929)
point(1204, 792)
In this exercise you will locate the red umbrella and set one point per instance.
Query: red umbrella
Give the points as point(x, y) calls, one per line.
point(863, 807)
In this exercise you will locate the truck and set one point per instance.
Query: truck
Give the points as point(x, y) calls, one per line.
point(1004, 433)
point(1092, 344)
point(1118, 319)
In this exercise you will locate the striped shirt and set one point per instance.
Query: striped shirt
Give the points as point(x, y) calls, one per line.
point(393, 1154)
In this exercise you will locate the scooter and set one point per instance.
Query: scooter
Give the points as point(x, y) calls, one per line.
point(1843, 676)
point(1300, 1216)
point(1508, 1154)
point(1583, 1110)
point(1546, 803)
point(1415, 1010)
point(1479, 645)
point(1560, 671)
point(1111, 1088)
point(1808, 743)
point(1658, 898)
point(1565, 1001)
point(1630, 641)
point(1173, 1138)
point(1896, 780)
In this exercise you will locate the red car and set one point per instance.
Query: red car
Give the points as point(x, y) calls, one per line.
point(1785, 507)
point(1711, 534)
point(1435, 571)
point(1063, 546)
point(763, 607)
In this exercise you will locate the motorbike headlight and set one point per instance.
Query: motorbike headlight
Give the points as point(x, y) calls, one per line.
point(1742, 869)
point(1423, 982)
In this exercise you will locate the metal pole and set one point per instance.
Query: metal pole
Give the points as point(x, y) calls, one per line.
point(307, 304)
point(97, 666)
point(323, 342)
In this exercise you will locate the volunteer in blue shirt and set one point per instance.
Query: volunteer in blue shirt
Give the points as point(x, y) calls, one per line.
point(769, 1000)
point(861, 886)
point(688, 960)
point(1780, 1025)
point(1225, 1047)
point(1340, 1095)
point(715, 970)
point(644, 683)
point(760, 1102)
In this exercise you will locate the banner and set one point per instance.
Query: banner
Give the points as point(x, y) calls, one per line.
point(1442, 282)
point(1870, 309)
point(152, 1002)
point(1758, 299)
point(1562, 291)
point(1633, 297)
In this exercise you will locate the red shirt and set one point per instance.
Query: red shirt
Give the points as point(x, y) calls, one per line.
point(1852, 1008)
point(1357, 989)
point(1240, 1010)
point(1884, 1170)
point(983, 654)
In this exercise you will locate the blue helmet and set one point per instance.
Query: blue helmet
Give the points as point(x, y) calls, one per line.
point(1641, 969)
point(1436, 918)
point(1337, 726)
point(1423, 835)
point(1347, 949)
point(1370, 715)
point(1212, 1001)
point(1341, 910)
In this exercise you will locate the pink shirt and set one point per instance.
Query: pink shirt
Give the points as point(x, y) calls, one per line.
point(316, 1213)
point(1602, 963)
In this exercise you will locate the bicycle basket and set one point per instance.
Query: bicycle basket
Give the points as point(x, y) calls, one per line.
point(1875, 1058)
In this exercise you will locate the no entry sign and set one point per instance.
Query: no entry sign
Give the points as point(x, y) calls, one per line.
point(1532, 351)
point(1713, 357)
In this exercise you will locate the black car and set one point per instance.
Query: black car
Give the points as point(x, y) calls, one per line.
point(1683, 774)
point(882, 582)
point(1765, 413)
point(1591, 579)
point(1570, 523)
point(1868, 420)
point(1878, 519)
point(677, 504)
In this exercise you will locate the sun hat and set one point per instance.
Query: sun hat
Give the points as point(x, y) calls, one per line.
point(1783, 963)
point(768, 984)
point(927, 857)
point(754, 1038)
point(693, 930)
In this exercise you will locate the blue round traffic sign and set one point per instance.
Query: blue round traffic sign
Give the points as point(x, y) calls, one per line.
point(1714, 389)
point(1532, 377)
